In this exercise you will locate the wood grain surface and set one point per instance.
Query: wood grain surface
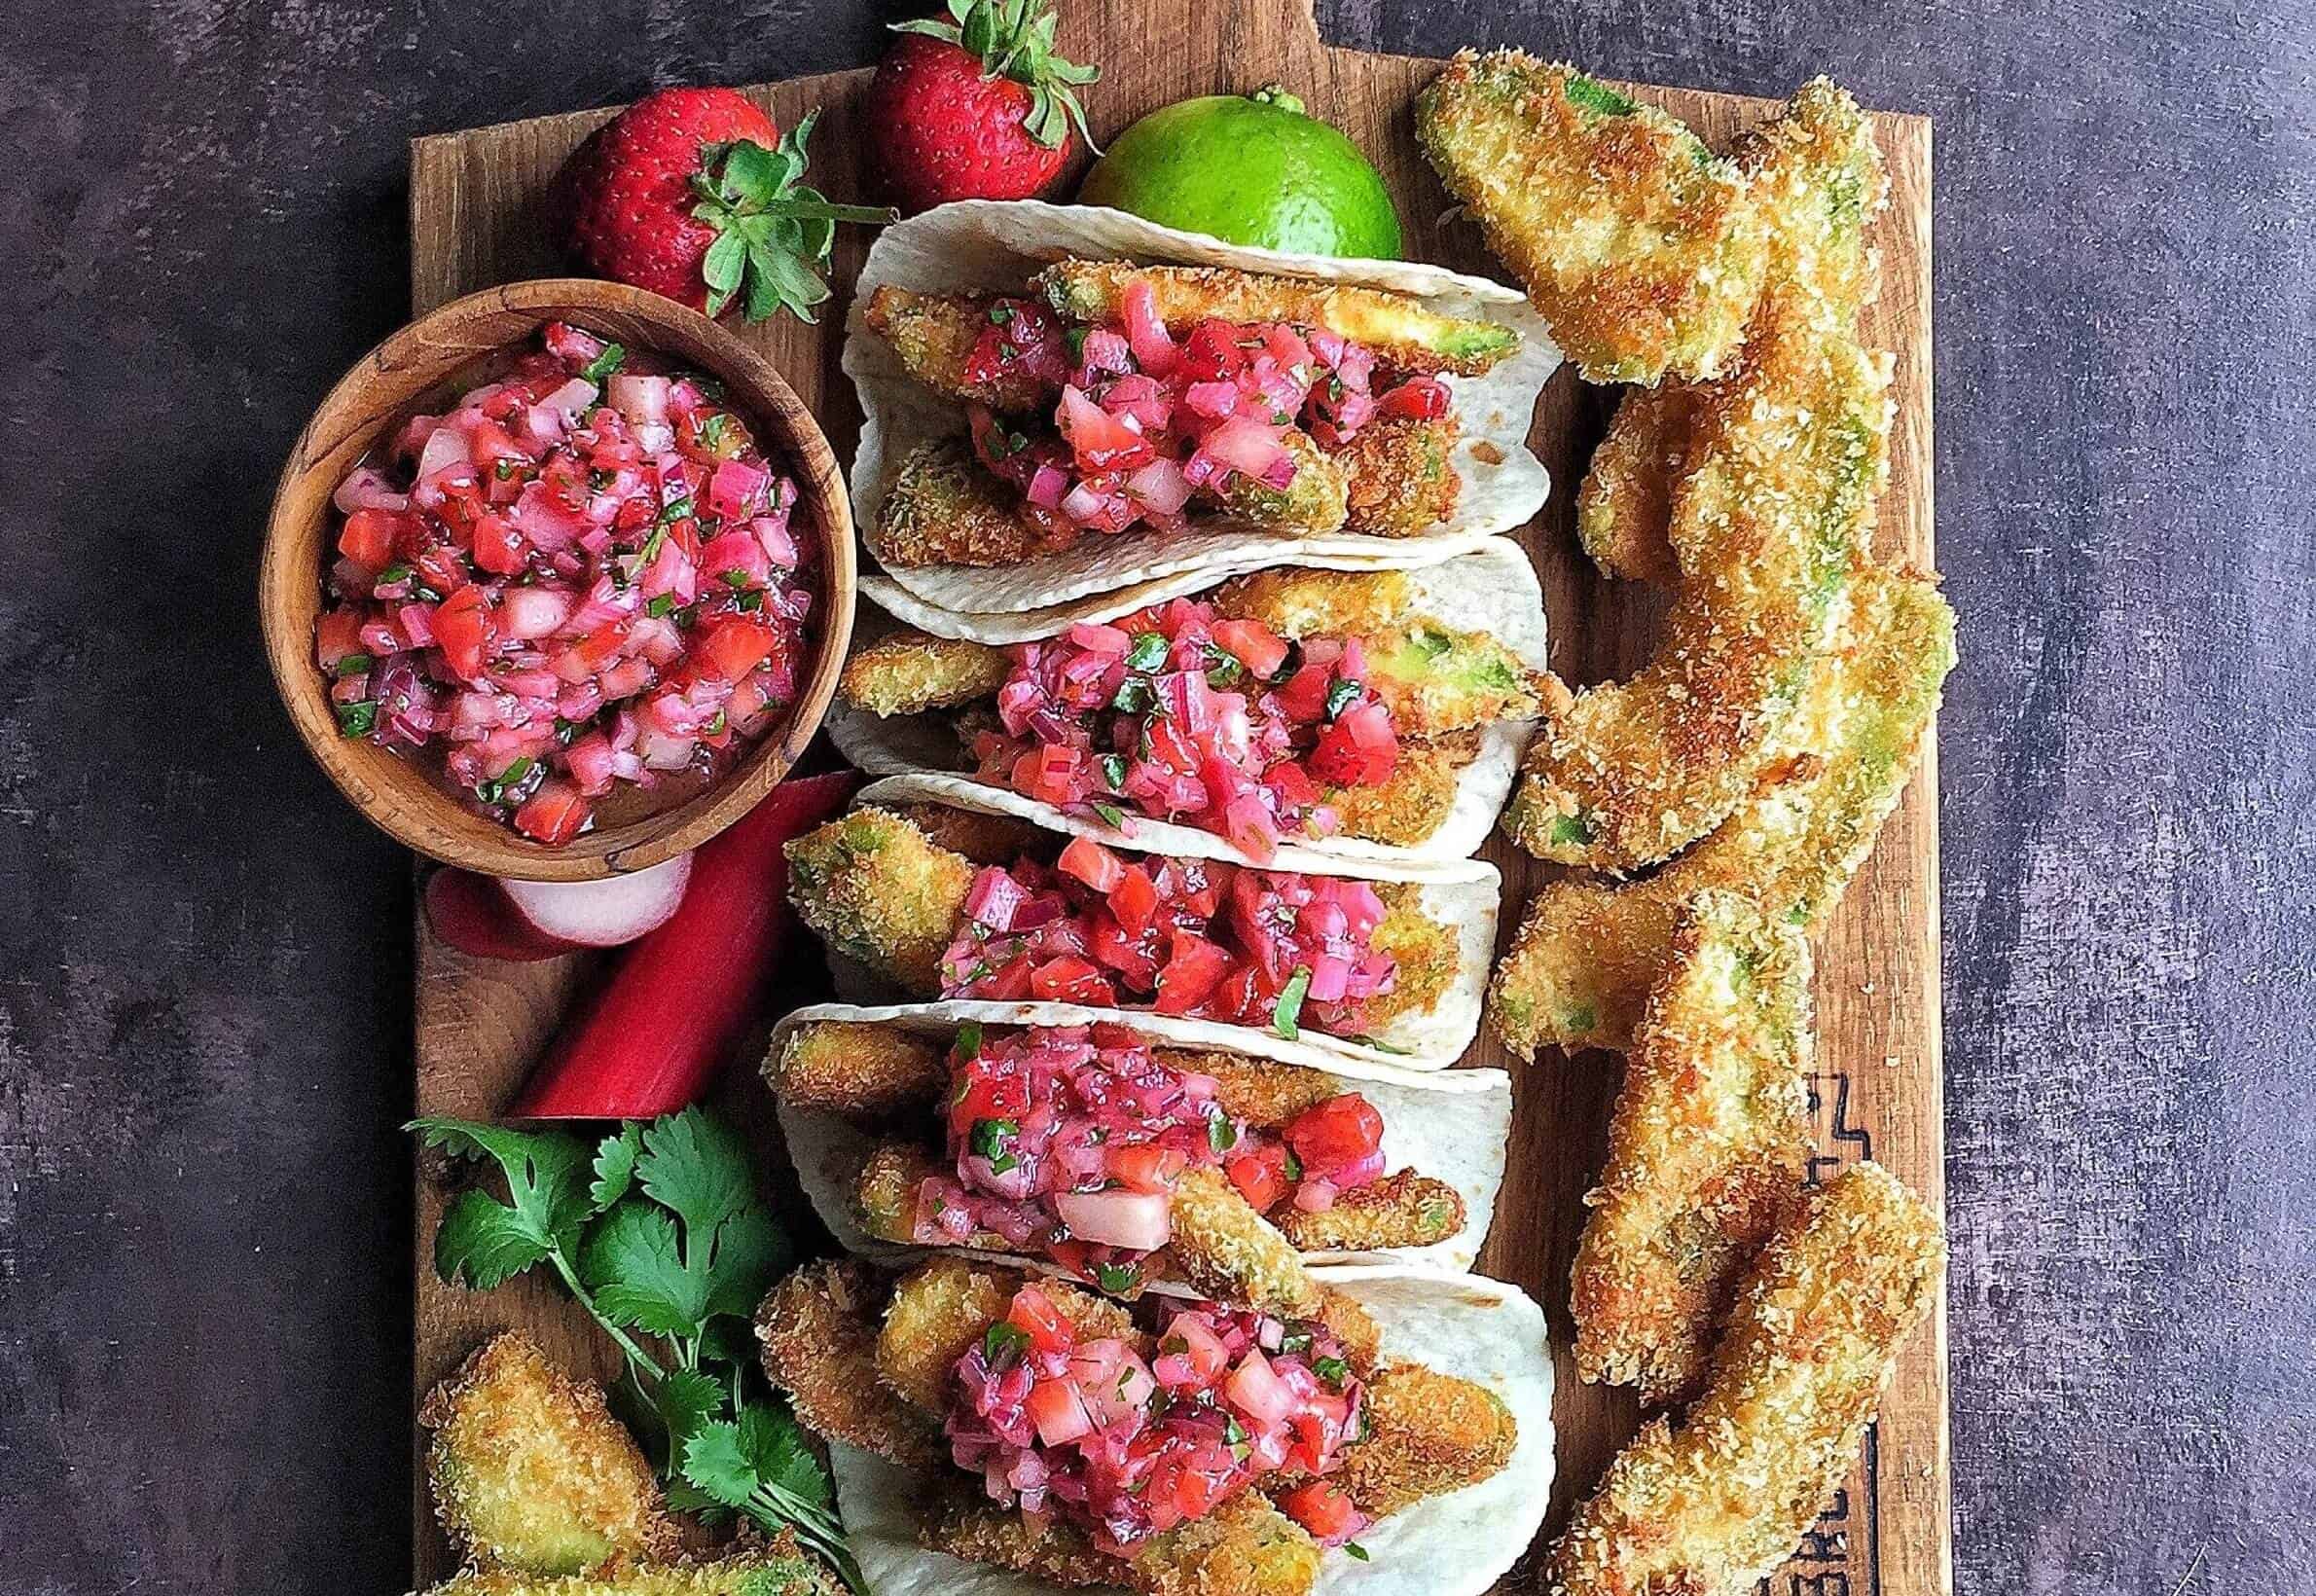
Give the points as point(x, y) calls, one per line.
point(473, 223)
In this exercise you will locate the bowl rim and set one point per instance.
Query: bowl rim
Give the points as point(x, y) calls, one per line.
point(375, 392)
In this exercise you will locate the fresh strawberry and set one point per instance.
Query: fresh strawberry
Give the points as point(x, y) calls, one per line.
point(693, 192)
point(976, 108)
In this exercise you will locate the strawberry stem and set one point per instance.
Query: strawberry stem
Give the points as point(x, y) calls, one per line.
point(774, 235)
point(1014, 39)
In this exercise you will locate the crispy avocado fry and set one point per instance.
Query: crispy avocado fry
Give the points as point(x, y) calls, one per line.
point(945, 510)
point(1402, 476)
point(1297, 602)
point(780, 1568)
point(946, 1304)
point(1589, 951)
point(934, 335)
point(980, 837)
point(1768, 528)
point(851, 1067)
point(908, 672)
point(880, 892)
point(1402, 1210)
point(1244, 1548)
point(818, 1329)
point(1633, 239)
point(531, 1472)
point(1816, 176)
point(1707, 1147)
point(1416, 800)
point(1714, 1505)
point(1264, 1094)
point(1315, 501)
point(1427, 1434)
point(1626, 502)
point(1405, 334)
point(1426, 953)
point(1227, 1250)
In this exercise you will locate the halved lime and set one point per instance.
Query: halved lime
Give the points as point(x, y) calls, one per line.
point(1250, 169)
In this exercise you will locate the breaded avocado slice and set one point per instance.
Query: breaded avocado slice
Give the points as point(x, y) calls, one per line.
point(781, 1569)
point(879, 891)
point(945, 508)
point(1405, 334)
point(1633, 239)
point(1589, 951)
point(934, 336)
point(908, 672)
point(1402, 476)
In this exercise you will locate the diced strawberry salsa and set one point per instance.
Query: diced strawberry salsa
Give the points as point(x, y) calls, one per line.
point(1174, 713)
point(1067, 1141)
point(1130, 1448)
point(1272, 949)
point(1143, 421)
point(579, 577)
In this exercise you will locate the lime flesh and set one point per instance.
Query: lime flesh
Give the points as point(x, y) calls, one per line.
point(1249, 171)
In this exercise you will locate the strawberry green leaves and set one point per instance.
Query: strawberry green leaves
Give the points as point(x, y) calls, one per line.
point(1015, 39)
point(658, 1233)
point(774, 233)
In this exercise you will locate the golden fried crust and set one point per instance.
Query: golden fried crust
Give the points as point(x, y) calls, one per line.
point(908, 671)
point(851, 1067)
point(1406, 335)
point(1416, 800)
point(887, 1191)
point(1438, 682)
point(818, 1329)
point(1226, 1250)
point(1429, 1433)
point(1633, 239)
point(1767, 526)
point(1707, 1147)
point(1315, 501)
point(934, 335)
point(1297, 602)
point(1351, 1324)
point(530, 1471)
point(1627, 496)
point(1244, 1548)
point(1402, 476)
point(880, 891)
point(777, 1568)
point(1588, 951)
point(945, 1305)
point(1714, 1504)
point(1426, 953)
point(1264, 1094)
point(945, 510)
point(1402, 1210)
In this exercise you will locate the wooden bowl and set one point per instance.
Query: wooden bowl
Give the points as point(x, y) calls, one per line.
point(396, 793)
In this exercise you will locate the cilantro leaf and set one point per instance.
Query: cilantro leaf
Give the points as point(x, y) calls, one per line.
point(698, 1168)
point(751, 1252)
point(485, 1242)
point(546, 1202)
point(716, 1463)
point(634, 1266)
point(686, 1401)
point(614, 1166)
point(774, 1448)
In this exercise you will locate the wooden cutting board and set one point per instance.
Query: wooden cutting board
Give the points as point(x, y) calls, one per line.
point(474, 223)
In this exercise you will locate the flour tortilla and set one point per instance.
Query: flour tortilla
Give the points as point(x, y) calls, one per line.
point(1491, 589)
point(1449, 1124)
point(981, 245)
point(1463, 894)
point(1457, 1544)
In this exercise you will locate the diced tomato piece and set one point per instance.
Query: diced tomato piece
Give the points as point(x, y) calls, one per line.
point(1212, 353)
point(1261, 1174)
point(1058, 1411)
point(555, 814)
point(1049, 774)
point(1335, 1134)
point(1147, 1167)
point(1092, 863)
point(499, 546)
point(1236, 998)
point(1008, 983)
point(1254, 645)
point(1193, 968)
point(1100, 440)
point(1358, 750)
point(1195, 1492)
point(338, 635)
point(736, 646)
point(1034, 1314)
point(464, 628)
point(1133, 899)
point(1419, 398)
point(1323, 1508)
point(1071, 979)
point(367, 538)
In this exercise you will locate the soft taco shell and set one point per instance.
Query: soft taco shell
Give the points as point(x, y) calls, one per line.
point(980, 245)
point(1463, 894)
point(1449, 1124)
point(1491, 589)
point(1457, 1544)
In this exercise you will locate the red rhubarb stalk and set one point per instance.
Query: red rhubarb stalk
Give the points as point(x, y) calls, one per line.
point(678, 1000)
point(472, 914)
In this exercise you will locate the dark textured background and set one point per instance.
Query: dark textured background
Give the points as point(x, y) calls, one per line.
point(203, 1046)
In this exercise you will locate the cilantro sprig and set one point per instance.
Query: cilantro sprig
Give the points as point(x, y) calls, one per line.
point(772, 233)
point(658, 1233)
